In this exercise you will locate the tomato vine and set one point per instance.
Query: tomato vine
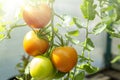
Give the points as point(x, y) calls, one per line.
point(109, 16)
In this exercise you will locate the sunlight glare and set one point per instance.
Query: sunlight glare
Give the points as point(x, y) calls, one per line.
point(12, 5)
point(11, 9)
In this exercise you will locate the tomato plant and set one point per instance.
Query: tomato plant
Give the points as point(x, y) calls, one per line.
point(41, 68)
point(68, 63)
point(34, 45)
point(64, 58)
point(37, 16)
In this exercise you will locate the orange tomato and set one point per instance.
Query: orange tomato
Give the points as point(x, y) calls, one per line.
point(37, 16)
point(33, 45)
point(64, 58)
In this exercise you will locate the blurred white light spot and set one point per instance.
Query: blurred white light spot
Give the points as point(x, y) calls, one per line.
point(12, 5)
point(11, 8)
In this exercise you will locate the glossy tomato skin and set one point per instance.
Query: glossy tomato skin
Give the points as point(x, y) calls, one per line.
point(33, 45)
point(64, 58)
point(37, 16)
point(41, 68)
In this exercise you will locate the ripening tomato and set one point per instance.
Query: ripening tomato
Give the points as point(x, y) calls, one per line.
point(41, 68)
point(33, 45)
point(37, 16)
point(64, 58)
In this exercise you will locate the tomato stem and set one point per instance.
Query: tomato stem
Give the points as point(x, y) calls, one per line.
point(12, 27)
point(74, 72)
point(52, 25)
point(52, 32)
point(86, 38)
point(59, 16)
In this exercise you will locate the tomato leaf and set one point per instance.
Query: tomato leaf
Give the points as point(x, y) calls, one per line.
point(77, 22)
point(99, 28)
point(2, 28)
point(56, 30)
point(118, 12)
point(116, 5)
point(89, 68)
point(72, 40)
point(85, 59)
point(27, 69)
point(80, 76)
point(117, 22)
point(74, 33)
point(113, 33)
point(88, 44)
point(119, 46)
point(19, 78)
point(66, 78)
point(58, 25)
point(2, 32)
point(2, 36)
point(59, 75)
point(88, 9)
point(115, 59)
point(109, 15)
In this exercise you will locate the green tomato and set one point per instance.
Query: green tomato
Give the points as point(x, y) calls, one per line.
point(41, 68)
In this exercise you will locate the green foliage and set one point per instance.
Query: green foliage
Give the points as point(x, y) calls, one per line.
point(23, 68)
point(77, 22)
point(88, 44)
point(119, 46)
point(83, 59)
point(109, 14)
point(72, 40)
point(2, 36)
point(117, 58)
point(74, 33)
point(80, 75)
point(99, 28)
point(89, 68)
point(113, 33)
point(116, 5)
point(59, 75)
point(88, 9)
point(2, 32)
point(2, 28)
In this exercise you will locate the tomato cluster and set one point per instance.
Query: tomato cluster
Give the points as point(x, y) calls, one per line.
point(62, 58)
